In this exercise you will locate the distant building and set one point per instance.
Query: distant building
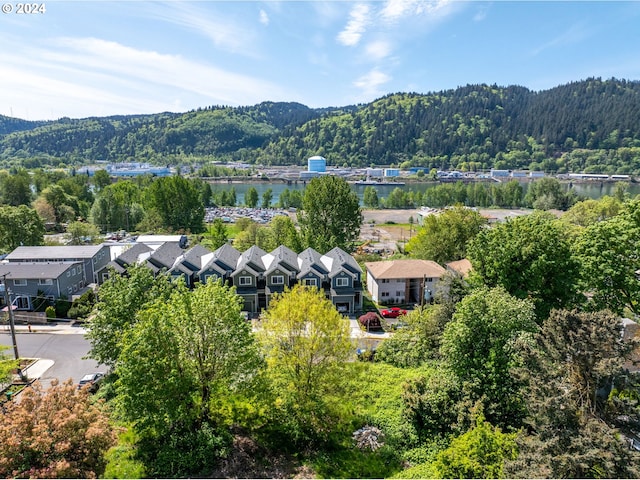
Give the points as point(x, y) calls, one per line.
point(375, 172)
point(499, 173)
point(391, 172)
point(317, 164)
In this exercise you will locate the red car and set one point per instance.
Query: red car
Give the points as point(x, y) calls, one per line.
point(393, 312)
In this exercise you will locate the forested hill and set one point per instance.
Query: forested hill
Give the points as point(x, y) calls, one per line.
point(591, 125)
point(9, 125)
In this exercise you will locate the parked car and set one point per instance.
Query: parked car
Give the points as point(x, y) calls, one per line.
point(93, 380)
point(393, 312)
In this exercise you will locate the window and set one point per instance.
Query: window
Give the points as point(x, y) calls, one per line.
point(342, 282)
point(45, 281)
point(22, 303)
point(245, 281)
point(398, 294)
point(22, 282)
point(277, 280)
point(384, 294)
point(310, 282)
point(384, 280)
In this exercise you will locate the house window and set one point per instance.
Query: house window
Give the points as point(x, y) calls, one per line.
point(20, 283)
point(428, 280)
point(68, 273)
point(384, 280)
point(244, 281)
point(342, 282)
point(384, 294)
point(277, 280)
point(310, 282)
point(398, 294)
point(45, 281)
point(22, 303)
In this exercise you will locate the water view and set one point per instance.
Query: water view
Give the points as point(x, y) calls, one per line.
point(589, 190)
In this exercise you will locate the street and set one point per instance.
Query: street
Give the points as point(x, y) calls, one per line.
point(66, 351)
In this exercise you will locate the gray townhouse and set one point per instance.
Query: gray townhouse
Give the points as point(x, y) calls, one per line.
point(29, 282)
point(92, 257)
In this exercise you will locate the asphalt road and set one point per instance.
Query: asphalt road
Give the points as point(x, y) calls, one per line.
point(66, 351)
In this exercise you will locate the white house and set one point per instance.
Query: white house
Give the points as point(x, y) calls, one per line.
point(403, 281)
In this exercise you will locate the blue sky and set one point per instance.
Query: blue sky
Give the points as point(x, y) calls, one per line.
point(99, 57)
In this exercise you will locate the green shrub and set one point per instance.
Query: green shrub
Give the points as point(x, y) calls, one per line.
point(50, 312)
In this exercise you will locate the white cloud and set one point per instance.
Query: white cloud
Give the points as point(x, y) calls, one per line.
point(89, 76)
point(575, 34)
point(378, 50)
point(264, 18)
point(371, 82)
point(222, 31)
point(394, 10)
point(358, 21)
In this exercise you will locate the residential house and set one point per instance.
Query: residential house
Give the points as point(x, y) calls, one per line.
point(281, 271)
point(248, 278)
point(345, 280)
point(163, 258)
point(403, 281)
point(189, 264)
point(119, 265)
point(29, 282)
point(219, 264)
point(92, 257)
point(311, 271)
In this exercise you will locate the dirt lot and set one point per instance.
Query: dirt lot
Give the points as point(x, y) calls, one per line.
point(386, 237)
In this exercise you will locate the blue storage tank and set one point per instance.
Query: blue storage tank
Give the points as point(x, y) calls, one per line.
point(317, 164)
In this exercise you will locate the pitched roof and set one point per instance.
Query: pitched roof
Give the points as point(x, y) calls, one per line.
point(337, 259)
point(283, 257)
point(463, 267)
point(131, 255)
point(398, 269)
point(23, 271)
point(252, 258)
point(310, 261)
point(54, 252)
point(165, 256)
point(194, 256)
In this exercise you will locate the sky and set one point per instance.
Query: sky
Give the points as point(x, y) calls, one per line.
point(84, 58)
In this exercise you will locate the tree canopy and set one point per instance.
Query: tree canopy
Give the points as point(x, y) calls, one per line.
point(330, 214)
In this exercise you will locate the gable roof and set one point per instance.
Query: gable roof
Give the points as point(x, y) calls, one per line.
point(252, 259)
point(131, 255)
point(165, 256)
point(399, 269)
point(310, 261)
point(53, 252)
point(337, 259)
point(193, 257)
point(284, 258)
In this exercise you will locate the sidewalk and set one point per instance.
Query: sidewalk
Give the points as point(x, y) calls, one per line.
point(38, 368)
point(57, 328)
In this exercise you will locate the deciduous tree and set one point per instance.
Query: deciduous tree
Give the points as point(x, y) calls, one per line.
point(20, 226)
point(608, 255)
point(181, 367)
point(531, 257)
point(330, 214)
point(444, 237)
point(306, 342)
point(55, 433)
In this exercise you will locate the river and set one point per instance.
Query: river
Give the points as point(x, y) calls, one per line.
point(593, 190)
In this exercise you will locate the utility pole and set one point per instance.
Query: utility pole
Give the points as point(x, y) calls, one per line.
point(12, 324)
